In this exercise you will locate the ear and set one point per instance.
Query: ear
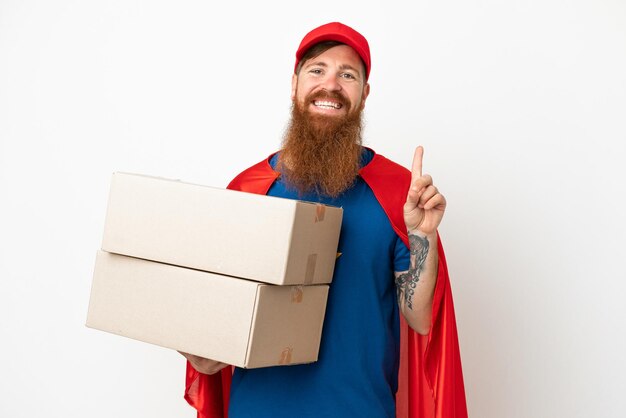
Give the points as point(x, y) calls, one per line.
point(294, 86)
point(366, 92)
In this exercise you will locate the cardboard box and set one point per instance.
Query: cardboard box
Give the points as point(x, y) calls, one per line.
point(267, 239)
point(235, 321)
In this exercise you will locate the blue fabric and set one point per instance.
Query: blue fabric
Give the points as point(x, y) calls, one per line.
point(356, 374)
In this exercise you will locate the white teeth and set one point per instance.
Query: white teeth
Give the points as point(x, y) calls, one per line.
point(329, 105)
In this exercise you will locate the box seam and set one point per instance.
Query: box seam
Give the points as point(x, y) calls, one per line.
point(252, 320)
point(289, 247)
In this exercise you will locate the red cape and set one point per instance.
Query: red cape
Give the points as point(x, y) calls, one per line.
point(430, 379)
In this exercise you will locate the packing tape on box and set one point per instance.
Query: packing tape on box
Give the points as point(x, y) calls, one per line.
point(285, 356)
point(309, 274)
point(320, 210)
point(296, 294)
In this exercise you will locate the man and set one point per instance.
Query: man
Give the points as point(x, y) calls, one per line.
point(377, 278)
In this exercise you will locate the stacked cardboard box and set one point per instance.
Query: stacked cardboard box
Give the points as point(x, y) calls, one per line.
point(232, 276)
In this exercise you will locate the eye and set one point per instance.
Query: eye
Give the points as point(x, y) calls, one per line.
point(348, 76)
point(315, 71)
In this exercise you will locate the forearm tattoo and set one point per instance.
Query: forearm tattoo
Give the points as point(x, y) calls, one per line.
point(406, 282)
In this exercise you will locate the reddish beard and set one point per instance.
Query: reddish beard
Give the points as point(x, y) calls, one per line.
point(321, 153)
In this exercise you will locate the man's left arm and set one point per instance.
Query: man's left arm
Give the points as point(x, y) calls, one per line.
point(423, 211)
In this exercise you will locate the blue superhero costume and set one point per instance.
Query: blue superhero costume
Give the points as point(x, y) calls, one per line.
point(357, 370)
point(430, 377)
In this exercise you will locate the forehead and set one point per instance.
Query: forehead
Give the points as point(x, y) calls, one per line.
point(340, 55)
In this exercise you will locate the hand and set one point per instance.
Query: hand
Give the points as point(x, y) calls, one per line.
point(424, 205)
point(204, 365)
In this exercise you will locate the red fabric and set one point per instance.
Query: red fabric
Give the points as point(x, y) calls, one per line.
point(208, 394)
point(430, 378)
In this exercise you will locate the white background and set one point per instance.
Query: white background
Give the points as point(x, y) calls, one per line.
point(520, 106)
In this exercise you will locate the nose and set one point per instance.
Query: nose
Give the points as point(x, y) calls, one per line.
point(331, 82)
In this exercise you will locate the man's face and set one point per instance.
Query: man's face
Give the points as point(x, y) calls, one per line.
point(331, 84)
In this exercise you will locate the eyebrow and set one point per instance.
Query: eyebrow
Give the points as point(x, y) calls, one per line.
point(319, 63)
point(341, 67)
point(349, 67)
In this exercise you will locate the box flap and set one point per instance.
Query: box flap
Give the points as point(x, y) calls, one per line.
point(287, 325)
point(314, 244)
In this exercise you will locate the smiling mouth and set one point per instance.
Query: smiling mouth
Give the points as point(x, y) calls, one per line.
point(323, 104)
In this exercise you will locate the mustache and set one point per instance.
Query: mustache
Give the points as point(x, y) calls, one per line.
point(325, 94)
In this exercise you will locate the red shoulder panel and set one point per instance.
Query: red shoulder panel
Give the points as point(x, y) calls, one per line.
point(256, 179)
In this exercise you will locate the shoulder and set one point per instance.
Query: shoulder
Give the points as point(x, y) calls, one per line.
point(255, 179)
point(389, 182)
point(381, 171)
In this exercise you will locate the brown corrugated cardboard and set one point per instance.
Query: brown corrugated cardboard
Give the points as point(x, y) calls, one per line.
point(235, 321)
point(262, 238)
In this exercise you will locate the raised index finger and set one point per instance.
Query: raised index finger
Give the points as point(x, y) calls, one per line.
point(416, 170)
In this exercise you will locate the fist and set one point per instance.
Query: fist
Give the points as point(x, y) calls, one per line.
point(204, 365)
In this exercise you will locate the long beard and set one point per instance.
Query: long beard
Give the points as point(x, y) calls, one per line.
point(321, 153)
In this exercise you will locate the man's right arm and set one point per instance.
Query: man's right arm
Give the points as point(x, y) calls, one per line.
point(204, 365)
